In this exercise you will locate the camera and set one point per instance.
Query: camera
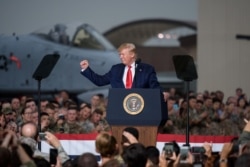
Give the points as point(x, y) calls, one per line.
point(198, 154)
point(197, 149)
point(53, 153)
point(42, 136)
point(184, 153)
point(169, 149)
point(61, 117)
point(61, 130)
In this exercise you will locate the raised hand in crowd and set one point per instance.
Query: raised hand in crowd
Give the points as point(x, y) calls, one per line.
point(189, 159)
point(208, 153)
point(130, 137)
point(208, 148)
point(165, 162)
point(52, 140)
point(226, 149)
point(11, 141)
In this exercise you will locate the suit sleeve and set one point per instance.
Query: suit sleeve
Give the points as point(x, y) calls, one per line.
point(99, 80)
point(153, 81)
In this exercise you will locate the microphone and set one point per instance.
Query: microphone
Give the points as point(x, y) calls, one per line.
point(137, 61)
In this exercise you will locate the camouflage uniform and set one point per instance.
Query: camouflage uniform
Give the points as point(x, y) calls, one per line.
point(37, 153)
point(104, 124)
point(58, 129)
point(73, 128)
point(229, 128)
point(87, 126)
point(171, 126)
point(194, 116)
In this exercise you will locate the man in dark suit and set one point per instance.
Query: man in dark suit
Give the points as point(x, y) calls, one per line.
point(143, 75)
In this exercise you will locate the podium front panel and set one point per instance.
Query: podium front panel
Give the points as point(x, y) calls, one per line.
point(136, 107)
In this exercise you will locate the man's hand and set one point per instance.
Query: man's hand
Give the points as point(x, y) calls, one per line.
point(52, 140)
point(130, 137)
point(247, 126)
point(84, 64)
point(227, 147)
point(208, 148)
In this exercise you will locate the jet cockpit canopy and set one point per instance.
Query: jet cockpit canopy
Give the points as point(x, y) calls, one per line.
point(75, 34)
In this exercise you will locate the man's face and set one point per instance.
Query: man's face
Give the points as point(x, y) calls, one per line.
point(15, 103)
point(27, 115)
point(43, 105)
point(45, 120)
point(96, 118)
point(85, 113)
point(31, 105)
point(192, 103)
point(208, 102)
point(95, 100)
point(126, 56)
point(8, 117)
point(35, 117)
point(50, 112)
point(71, 116)
point(170, 104)
point(216, 105)
point(199, 106)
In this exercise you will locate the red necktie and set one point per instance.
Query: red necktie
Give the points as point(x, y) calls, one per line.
point(129, 78)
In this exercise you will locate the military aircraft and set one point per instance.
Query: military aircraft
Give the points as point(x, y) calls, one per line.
point(21, 55)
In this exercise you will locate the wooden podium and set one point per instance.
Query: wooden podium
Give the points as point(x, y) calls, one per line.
point(143, 109)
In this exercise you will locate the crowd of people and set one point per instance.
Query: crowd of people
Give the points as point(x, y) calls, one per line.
point(208, 113)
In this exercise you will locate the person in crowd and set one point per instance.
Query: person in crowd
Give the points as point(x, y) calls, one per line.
point(196, 119)
point(213, 119)
point(10, 141)
point(95, 101)
point(106, 145)
point(99, 123)
point(45, 122)
point(51, 111)
point(26, 114)
point(85, 114)
point(43, 104)
point(113, 163)
point(30, 136)
point(130, 135)
point(87, 160)
point(6, 104)
point(8, 114)
point(72, 126)
point(2, 122)
point(16, 105)
point(35, 116)
point(31, 103)
point(153, 155)
point(135, 155)
point(59, 124)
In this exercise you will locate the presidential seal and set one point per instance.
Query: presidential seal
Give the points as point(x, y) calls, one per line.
point(133, 104)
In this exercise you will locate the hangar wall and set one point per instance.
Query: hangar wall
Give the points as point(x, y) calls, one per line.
point(223, 61)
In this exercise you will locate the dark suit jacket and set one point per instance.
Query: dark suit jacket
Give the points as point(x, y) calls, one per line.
point(145, 76)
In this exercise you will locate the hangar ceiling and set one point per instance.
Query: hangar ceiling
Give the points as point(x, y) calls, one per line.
point(140, 31)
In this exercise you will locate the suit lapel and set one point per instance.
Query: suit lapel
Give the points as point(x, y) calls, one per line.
point(137, 76)
point(120, 75)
